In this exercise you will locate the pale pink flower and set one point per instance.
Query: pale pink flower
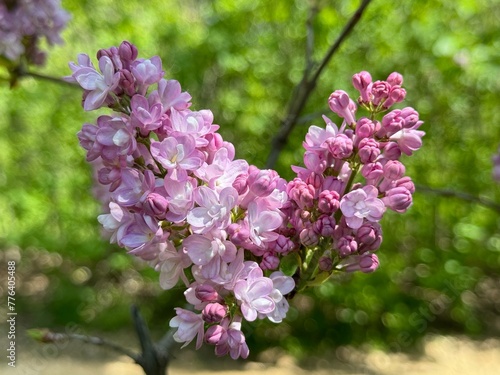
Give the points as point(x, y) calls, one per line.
point(362, 204)
point(262, 223)
point(177, 153)
point(189, 325)
point(170, 264)
point(254, 295)
point(214, 211)
point(98, 85)
point(209, 253)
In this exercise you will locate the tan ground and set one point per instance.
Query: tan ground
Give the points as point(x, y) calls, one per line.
point(443, 356)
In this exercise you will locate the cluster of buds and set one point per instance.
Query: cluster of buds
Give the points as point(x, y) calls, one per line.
point(24, 22)
point(179, 199)
point(352, 175)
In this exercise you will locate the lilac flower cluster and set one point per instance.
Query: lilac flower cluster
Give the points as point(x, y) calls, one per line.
point(179, 199)
point(24, 22)
point(352, 175)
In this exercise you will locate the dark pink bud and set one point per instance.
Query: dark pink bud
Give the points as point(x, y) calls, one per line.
point(127, 83)
point(282, 244)
point(325, 226)
point(128, 53)
point(316, 180)
point(109, 175)
point(112, 53)
point(407, 183)
point(214, 334)
point(394, 170)
point(397, 95)
point(398, 199)
point(347, 245)
point(206, 293)
point(368, 150)
point(340, 147)
point(380, 91)
point(391, 151)
point(333, 184)
point(155, 205)
point(308, 237)
point(240, 184)
point(395, 79)
point(262, 182)
point(342, 105)
point(391, 123)
point(372, 171)
point(269, 261)
point(365, 263)
point(325, 264)
point(368, 233)
point(238, 234)
point(214, 312)
point(328, 201)
point(362, 82)
point(410, 117)
point(365, 128)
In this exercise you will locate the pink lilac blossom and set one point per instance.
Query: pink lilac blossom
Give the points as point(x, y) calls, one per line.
point(179, 199)
point(24, 23)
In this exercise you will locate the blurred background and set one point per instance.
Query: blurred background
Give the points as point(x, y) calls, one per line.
point(440, 262)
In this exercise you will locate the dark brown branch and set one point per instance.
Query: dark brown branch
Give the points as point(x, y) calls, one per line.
point(460, 195)
point(306, 86)
point(153, 359)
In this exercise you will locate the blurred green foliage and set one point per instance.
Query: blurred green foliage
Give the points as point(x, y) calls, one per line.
point(440, 262)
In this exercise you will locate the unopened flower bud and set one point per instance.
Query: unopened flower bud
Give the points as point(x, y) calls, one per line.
point(214, 334)
point(346, 246)
point(308, 237)
point(362, 82)
point(206, 293)
point(325, 226)
point(365, 263)
point(340, 147)
point(392, 151)
point(155, 205)
point(398, 199)
point(372, 171)
point(380, 91)
point(395, 79)
point(240, 184)
point(342, 105)
point(394, 170)
point(364, 128)
point(407, 183)
point(328, 201)
point(214, 312)
point(368, 150)
point(128, 53)
point(397, 95)
point(325, 264)
point(315, 179)
point(269, 261)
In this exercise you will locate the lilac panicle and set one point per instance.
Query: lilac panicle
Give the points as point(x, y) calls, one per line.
point(179, 199)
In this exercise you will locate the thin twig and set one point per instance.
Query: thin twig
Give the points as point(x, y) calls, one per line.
point(461, 195)
point(47, 336)
point(44, 77)
point(304, 88)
